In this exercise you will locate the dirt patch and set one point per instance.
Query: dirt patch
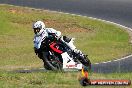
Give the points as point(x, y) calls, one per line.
point(12, 10)
point(16, 11)
point(76, 30)
point(65, 27)
point(19, 10)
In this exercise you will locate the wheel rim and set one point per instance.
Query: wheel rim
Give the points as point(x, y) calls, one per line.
point(55, 62)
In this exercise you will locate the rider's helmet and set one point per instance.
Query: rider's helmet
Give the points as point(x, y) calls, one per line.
point(38, 27)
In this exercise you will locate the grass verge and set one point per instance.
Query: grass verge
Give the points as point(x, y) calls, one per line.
point(54, 80)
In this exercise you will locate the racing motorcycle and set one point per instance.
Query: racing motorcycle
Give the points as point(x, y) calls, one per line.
point(56, 55)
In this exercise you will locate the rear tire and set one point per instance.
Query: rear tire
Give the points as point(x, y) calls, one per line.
point(85, 61)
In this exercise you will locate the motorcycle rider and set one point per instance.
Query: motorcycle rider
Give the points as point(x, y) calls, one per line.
point(41, 32)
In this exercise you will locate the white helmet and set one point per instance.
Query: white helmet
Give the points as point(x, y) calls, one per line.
point(38, 27)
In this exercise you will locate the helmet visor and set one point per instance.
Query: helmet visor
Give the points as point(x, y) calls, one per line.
point(36, 30)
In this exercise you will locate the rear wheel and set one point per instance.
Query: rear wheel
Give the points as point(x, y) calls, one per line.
point(85, 61)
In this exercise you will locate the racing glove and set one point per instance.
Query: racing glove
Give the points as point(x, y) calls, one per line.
point(36, 51)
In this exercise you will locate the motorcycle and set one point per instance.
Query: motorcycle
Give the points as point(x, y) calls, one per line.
point(56, 55)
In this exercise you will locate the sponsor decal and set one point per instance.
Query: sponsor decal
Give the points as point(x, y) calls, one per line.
point(71, 66)
point(115, 82)
point(85, 81)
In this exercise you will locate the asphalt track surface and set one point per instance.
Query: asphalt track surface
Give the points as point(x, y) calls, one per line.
point(118, 11)
point(116, 66)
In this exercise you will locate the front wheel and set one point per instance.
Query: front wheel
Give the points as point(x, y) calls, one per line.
point(51, 62)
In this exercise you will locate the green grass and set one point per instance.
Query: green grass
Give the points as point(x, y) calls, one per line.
point(54, 80)
point(101, 41)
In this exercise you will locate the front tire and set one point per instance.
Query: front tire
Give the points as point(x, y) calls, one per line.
point(51, 63)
